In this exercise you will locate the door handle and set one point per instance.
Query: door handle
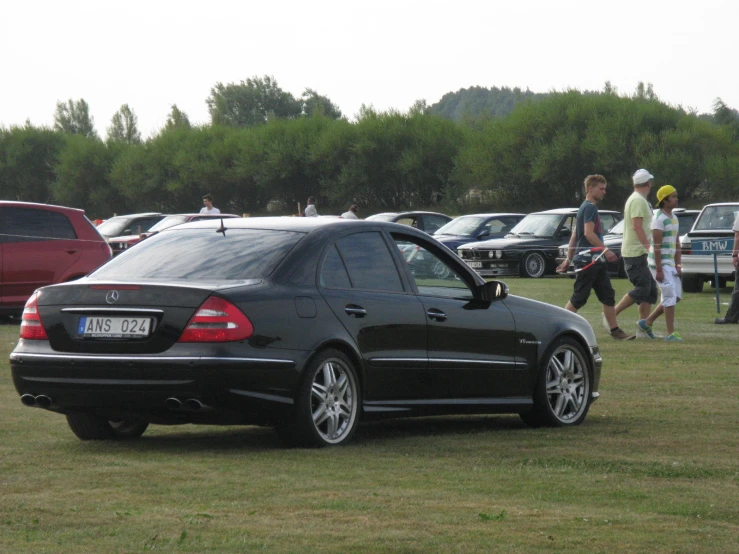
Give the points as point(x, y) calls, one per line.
point(438, 315)
point(72, 251)
point(354, 310)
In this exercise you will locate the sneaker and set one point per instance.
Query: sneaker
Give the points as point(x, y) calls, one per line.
point(644, 328)
point(723, 321)
point(674, 337)
point(605, 323)
point(618, 334)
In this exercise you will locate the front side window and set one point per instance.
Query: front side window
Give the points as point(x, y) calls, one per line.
point(369, 262)
point(433, 274)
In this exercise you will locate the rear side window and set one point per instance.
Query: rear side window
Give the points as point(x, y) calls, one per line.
point(333, 272)
point(369, 262)
point(28, 224)
point(203, 254)
point(433, 223)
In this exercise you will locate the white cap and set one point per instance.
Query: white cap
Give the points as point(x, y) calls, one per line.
point(641, 176)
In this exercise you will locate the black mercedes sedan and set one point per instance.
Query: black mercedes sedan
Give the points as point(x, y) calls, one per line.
point(305, 324)
point(531, 247)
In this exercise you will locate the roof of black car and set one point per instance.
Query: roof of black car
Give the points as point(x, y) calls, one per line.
point(285, 223)
point(563, 211)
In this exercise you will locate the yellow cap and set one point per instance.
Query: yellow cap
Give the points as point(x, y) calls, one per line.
point(664, 192)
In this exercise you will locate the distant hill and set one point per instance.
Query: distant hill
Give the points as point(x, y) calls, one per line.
point(476, 102)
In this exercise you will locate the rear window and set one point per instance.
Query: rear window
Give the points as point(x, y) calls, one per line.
point(203, 254)
point(717, 218)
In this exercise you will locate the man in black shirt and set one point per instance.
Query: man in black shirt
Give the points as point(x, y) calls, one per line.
point(586, 249)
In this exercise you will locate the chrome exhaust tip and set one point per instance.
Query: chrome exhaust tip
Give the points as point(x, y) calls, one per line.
point(173, 403)
point(43, 401)
point(193, 404)
point(28, 400)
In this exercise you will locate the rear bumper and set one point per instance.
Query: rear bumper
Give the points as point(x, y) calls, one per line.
point(247, 390)
point(704, 265)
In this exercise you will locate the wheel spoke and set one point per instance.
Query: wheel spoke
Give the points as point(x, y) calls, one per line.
point(328, 375)
point(333, 425)
point(559, 405)
point(320, 415)
point(318, 391)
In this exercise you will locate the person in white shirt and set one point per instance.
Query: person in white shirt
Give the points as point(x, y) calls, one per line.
point(310, 209)
point(352, 213)
point(208, 206)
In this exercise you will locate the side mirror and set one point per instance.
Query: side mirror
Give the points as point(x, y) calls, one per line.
point(564, 232)
point(483, 233)
point(493, 290)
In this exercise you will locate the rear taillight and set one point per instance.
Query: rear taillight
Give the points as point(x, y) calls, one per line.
point(31, 326)
point(217, 320)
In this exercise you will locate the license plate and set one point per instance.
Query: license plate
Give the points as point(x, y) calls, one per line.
point(474, 264)
point(114, 327)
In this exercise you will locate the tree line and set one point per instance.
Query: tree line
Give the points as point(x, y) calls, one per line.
point(265, 149)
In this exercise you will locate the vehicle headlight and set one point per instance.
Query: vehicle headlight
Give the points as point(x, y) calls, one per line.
point(498, 254)
point(491, 253)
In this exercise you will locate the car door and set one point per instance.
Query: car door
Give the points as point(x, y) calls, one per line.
point(38, 247)
point(471, 343)
point(360, 281)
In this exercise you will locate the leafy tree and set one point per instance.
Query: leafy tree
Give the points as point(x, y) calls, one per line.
point(313, 103)
point(251, 102)
point(124, 127)
point(177, 119)
point(74, 118)
point(82, 177)
point(27, 159)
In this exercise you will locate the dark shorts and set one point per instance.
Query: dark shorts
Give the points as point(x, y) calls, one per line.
point(594, 278)
point(645, 287)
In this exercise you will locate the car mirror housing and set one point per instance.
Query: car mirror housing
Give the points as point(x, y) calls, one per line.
point(493, 290)
point(483, 233)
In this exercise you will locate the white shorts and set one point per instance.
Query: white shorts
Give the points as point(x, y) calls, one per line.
point(671, 286)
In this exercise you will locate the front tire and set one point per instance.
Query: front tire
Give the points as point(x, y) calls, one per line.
point(562, 391)
point(533, 265)
point(328, 403)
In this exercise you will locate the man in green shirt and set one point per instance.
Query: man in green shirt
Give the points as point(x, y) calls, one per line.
point(635, 248)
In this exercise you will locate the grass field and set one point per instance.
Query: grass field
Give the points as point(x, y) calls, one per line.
point(654, 468)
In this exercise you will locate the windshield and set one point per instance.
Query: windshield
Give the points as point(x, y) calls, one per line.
point(717, 218)
point(202, 254)
point(618, 228)
point(167, 222)
point(113, 227)
point(539, 225)
point(465, 226)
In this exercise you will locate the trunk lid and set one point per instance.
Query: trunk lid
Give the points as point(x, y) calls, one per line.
point(111, 318)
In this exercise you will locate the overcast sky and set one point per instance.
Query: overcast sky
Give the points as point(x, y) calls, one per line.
point(152, 54)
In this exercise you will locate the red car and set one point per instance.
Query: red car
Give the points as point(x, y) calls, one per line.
point(122, 243)
point(42, 245)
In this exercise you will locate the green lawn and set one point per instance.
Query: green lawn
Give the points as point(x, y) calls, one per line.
point(653, 469)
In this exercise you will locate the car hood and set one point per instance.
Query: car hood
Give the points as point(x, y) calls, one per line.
point(503, 244)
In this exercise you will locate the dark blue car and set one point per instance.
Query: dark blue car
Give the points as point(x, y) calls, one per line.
point(474, 227)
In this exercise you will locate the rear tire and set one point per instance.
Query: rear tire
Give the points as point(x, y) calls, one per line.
point(692, 283)
point(91, 427)
point(563, 388)
point(326, 411)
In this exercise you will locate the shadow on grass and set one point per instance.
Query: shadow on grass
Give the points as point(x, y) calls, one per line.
point(261, 439)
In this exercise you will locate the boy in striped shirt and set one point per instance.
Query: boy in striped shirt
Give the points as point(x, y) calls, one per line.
point(664, 263)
